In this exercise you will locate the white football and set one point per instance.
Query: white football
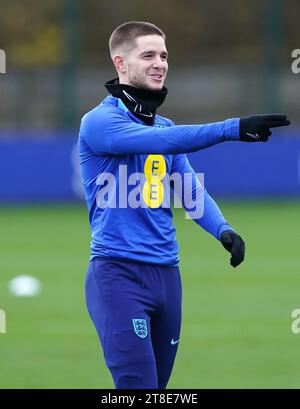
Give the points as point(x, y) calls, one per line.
point(25, 286)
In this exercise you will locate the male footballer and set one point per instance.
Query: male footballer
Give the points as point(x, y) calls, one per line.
point(133, 285)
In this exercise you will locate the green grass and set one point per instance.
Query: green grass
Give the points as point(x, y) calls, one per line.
point(236, 330)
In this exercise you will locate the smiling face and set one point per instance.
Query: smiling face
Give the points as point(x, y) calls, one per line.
point(145, 65)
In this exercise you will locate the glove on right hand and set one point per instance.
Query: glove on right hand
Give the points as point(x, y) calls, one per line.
point(256, 128)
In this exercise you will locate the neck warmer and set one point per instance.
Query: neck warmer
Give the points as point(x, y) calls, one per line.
point(141, 102)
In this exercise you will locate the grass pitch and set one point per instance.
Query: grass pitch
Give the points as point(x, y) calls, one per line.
point(236, 330)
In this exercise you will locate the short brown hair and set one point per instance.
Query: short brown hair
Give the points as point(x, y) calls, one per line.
point(126, 34)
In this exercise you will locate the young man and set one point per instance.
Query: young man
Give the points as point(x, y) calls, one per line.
point(133, 286)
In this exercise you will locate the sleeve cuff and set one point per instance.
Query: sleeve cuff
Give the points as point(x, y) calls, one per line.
point(222, 228)
point(232, 129)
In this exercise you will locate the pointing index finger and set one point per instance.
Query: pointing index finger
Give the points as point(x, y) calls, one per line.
point(276, 120)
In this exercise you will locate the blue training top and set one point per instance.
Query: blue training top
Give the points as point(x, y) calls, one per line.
point(131, 220)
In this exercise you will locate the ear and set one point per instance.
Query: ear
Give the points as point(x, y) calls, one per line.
point(119, 63)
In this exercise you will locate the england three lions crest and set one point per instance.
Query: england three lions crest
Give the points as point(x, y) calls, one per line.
point(140, 327)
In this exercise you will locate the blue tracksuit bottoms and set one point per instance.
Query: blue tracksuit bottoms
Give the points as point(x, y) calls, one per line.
point(136, 309)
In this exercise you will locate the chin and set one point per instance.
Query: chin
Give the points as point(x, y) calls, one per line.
point(148, 85)
point(154, 87)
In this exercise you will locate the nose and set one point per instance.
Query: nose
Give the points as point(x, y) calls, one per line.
point(157, 63)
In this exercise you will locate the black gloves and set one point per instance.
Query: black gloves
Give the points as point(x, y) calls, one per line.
point(256, 128)
point(235, 245)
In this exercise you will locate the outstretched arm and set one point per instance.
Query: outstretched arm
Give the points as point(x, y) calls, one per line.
point(108, 131)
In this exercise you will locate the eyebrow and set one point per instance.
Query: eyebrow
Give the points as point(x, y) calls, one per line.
point(151, 52)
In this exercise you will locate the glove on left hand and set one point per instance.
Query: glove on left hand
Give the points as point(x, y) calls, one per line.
point(235, 245)
point(256, 128)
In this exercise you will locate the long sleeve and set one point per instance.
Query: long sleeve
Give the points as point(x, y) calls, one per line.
point(195, 199)
point(108, 131)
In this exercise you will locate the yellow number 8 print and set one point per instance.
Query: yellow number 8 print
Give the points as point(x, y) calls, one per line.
point(155, 171)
